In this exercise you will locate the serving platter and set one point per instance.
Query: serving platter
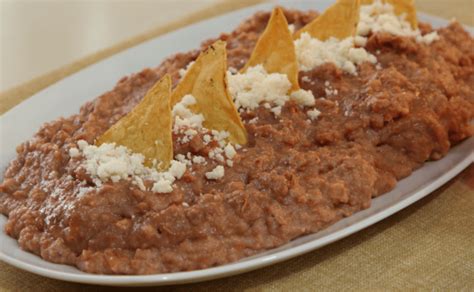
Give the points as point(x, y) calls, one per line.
point(65, 98)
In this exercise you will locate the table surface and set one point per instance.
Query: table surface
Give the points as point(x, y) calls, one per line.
point(428, 245)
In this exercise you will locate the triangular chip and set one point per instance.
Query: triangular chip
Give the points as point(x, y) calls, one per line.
point(401, 7)
point(206, 81)
point(338, 21)
point(147, 128)
point(275, 49)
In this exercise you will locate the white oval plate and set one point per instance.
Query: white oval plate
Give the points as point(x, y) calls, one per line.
point(65, 97)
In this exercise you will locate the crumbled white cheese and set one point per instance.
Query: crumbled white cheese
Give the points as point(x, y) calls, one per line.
point(183, 71)
point(109, 162)
point(199, 159)
point(216, 154)
point(230, 151)
point(207, 139)
point(256, 86)
point(303, 97)
point(74, 152)
point(381, 17)
point(428, 38)
point(360, 41)
point(329, 90)
point(313, 114)
point(253, 121)
point(162, 186)
point(220, 136)
point(276, 110)
point(183, 159)
point(312, 53)
point(291, 27)
point(82, 144)
point(185, 121)
point(376, 17)
point(114, 162)
point(139, 182)
point(232, 70)
point(216, 173)
point(177, 169)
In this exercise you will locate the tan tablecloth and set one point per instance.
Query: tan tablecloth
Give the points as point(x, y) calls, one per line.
point(429, 245)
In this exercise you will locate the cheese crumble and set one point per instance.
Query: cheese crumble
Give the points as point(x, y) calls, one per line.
point(185, 121)
point(291, 28)
point(381, 17)
point(313, 114)
point(348, 53)
point(216, 173)
point(329, 90)
point(256, 86)
point(312, 53)
point(183, 71)
point(73, 152)
point(303, 97)
point(110, 162)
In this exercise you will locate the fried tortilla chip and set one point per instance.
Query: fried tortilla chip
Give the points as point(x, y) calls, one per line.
point(147, 128)
point(338, 21)
point(275, 49)
point(401, 7)
point(206, 81)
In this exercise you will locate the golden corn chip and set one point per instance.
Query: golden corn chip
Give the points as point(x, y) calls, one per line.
point(401, 6)
point(338, 21)
point(147, 128)
point(206, 81)
point(275, 49)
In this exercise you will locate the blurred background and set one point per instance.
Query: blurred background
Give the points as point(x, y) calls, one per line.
point(38, 36)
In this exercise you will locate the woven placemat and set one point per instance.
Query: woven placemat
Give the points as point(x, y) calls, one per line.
point(427, 246)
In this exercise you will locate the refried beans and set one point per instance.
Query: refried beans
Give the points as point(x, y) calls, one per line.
point(293, 178)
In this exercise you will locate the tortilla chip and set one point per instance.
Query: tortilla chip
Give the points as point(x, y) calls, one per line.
point(275, 49)
point(147, 128)
point(206, 81)
point(401, 6)
point(338, 21)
